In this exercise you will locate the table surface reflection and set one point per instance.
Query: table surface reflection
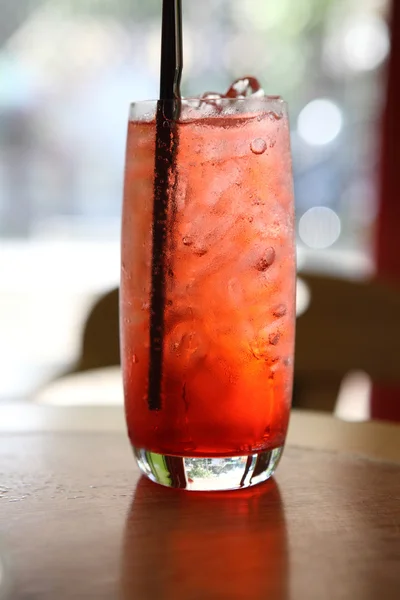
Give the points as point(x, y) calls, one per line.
point(78, 521)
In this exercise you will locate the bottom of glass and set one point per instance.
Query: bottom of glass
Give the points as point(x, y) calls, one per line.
point(208, 474)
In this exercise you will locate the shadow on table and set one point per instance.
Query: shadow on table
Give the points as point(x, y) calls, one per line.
point(205, 545)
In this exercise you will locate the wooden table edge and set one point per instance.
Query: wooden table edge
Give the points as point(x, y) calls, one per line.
point(307, 429)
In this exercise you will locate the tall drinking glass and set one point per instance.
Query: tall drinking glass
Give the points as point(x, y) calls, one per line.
point(226, 337)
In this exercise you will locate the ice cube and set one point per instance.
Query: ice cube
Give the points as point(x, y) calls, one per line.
point(244, 87)
point(213, 98)
point(186, 342)
point(211, 103)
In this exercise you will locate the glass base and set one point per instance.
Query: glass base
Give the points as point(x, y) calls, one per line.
point(208, 474)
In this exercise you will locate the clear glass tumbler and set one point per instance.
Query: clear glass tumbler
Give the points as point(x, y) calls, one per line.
point(226, 337)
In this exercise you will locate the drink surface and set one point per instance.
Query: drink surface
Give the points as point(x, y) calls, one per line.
point(230, 287)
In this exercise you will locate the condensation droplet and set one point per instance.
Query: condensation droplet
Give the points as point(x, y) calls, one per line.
point(267, 433)
point(279, 311)
point(187, 240)
point(258, 146)
point(200, 250)
point(135, 359)
point(274, 338)
point(274, 116)
point(266, 260)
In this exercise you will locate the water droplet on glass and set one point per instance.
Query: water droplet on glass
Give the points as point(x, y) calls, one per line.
point(267, 433)
point(274, 338)
point(187, 240)
point(135, 358)
point(200, 250)
point(273, 116)
point(245, 449)
point(258, 146)
point(280, 310)
point(266, 260)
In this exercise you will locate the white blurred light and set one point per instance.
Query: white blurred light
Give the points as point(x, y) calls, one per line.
point(319, 227)
point(353, 403)
point(303, 297)
point(366, 43)
point(320, 122)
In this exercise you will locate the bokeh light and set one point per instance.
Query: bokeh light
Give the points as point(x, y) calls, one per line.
point(303, 297)
point(320, 122)
point(319, 227)
point(366, 43)
point(358, 43)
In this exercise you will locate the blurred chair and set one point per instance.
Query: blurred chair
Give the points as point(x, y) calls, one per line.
point(95, 378)
point(100, 339)
point(348, 326)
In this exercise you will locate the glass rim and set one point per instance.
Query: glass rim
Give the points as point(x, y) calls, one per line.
point(229, 101)
point(145, 110)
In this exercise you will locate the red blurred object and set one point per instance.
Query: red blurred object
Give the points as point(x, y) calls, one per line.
point(385, 403)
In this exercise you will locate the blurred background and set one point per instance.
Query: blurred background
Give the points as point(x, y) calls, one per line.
point(68, 70)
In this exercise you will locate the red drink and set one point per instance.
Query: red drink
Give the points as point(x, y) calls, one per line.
point(230, 283)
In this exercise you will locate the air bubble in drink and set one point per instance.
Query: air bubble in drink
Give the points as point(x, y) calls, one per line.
point(258, 146)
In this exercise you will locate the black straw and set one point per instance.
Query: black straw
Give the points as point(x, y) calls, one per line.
point(166, 147)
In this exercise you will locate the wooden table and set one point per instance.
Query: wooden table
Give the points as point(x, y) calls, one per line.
point(78, 522)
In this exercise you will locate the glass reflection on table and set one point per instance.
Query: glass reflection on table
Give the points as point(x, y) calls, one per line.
point(205, 545)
